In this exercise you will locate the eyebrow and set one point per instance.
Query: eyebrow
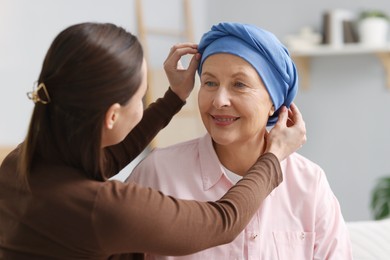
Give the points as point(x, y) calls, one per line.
point(207, 74)
point(239, 73)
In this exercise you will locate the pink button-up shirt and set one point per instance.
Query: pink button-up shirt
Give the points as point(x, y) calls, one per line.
point(301, 219)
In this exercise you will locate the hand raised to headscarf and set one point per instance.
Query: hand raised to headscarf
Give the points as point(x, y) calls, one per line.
point(182, 80)
point(288, 134)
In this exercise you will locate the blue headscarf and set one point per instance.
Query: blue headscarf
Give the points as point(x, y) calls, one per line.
point(263, 51)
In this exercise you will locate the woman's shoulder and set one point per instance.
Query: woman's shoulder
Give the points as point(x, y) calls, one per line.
point(302, 166)
point(179, 149)
point(299, 160)
point(169, 157)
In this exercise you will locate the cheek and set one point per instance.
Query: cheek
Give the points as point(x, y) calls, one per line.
point(135, 116)
point(203, 101)
point(138, 113)
point(260, 115)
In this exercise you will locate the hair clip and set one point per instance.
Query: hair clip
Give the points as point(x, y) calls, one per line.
point(35, 94)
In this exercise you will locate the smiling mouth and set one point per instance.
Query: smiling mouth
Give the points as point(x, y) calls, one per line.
point(225, 119)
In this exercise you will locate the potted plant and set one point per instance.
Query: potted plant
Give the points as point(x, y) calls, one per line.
point(373, 27)
point(380, 199)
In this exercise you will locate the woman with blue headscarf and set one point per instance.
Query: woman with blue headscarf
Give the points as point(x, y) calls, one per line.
point(247, 77)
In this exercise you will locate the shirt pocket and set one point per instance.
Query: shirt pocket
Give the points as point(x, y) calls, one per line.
point(294, 244)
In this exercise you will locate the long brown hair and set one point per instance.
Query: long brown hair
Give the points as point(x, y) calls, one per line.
point(87, 68)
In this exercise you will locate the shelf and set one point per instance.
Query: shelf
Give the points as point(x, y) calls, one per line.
point(302, 57)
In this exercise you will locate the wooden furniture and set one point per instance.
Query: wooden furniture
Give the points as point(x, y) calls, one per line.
point(187, 123)
point(186, 33)
point(302, 57)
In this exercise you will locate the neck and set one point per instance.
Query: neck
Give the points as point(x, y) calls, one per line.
point(240, 157)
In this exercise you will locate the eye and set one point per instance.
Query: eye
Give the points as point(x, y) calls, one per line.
point(239, 84)
point(210, 84)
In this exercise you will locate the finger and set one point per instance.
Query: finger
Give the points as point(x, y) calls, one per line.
point(184, 45)
point(282, 116)
point(290, 119)
point(178, 53)
point(175, 56)
point(297, 116)
point(180, 46)
point(194, 63)
point(290, 123)
point(298, 120)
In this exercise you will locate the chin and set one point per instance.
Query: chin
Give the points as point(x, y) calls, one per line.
point(222, 140)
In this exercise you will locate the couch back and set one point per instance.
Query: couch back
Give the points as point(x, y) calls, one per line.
point(370, 239)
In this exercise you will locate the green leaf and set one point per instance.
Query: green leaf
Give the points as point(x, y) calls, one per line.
point(380, 199)
point(373, 13)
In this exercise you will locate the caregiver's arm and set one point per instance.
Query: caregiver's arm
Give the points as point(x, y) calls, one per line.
point(130, 218)
point(145, 220)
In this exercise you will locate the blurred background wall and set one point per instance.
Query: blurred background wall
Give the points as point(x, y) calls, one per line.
point(346, 107)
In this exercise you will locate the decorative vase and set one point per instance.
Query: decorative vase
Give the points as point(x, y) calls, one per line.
point(373, 31)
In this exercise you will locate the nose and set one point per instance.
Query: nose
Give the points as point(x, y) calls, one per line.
point(221, 98)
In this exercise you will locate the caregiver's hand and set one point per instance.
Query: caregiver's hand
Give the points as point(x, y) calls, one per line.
point(180, 79)
point(288, 134)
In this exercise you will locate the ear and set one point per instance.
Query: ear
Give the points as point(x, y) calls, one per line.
point(112, 116)
point(271, 111)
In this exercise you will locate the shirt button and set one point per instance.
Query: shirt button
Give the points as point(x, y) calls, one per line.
point(302, 235)
point(254, 236)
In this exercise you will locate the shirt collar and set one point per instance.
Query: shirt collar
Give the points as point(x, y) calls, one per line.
point(210, 166)
point(211, 169)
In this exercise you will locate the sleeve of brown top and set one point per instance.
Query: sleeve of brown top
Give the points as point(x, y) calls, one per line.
point(130, 218)
point(155, 118)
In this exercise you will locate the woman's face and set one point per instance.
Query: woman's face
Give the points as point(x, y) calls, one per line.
point(233, 101)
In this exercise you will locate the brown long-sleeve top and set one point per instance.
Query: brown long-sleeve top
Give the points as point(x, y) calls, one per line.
point(68, 216)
